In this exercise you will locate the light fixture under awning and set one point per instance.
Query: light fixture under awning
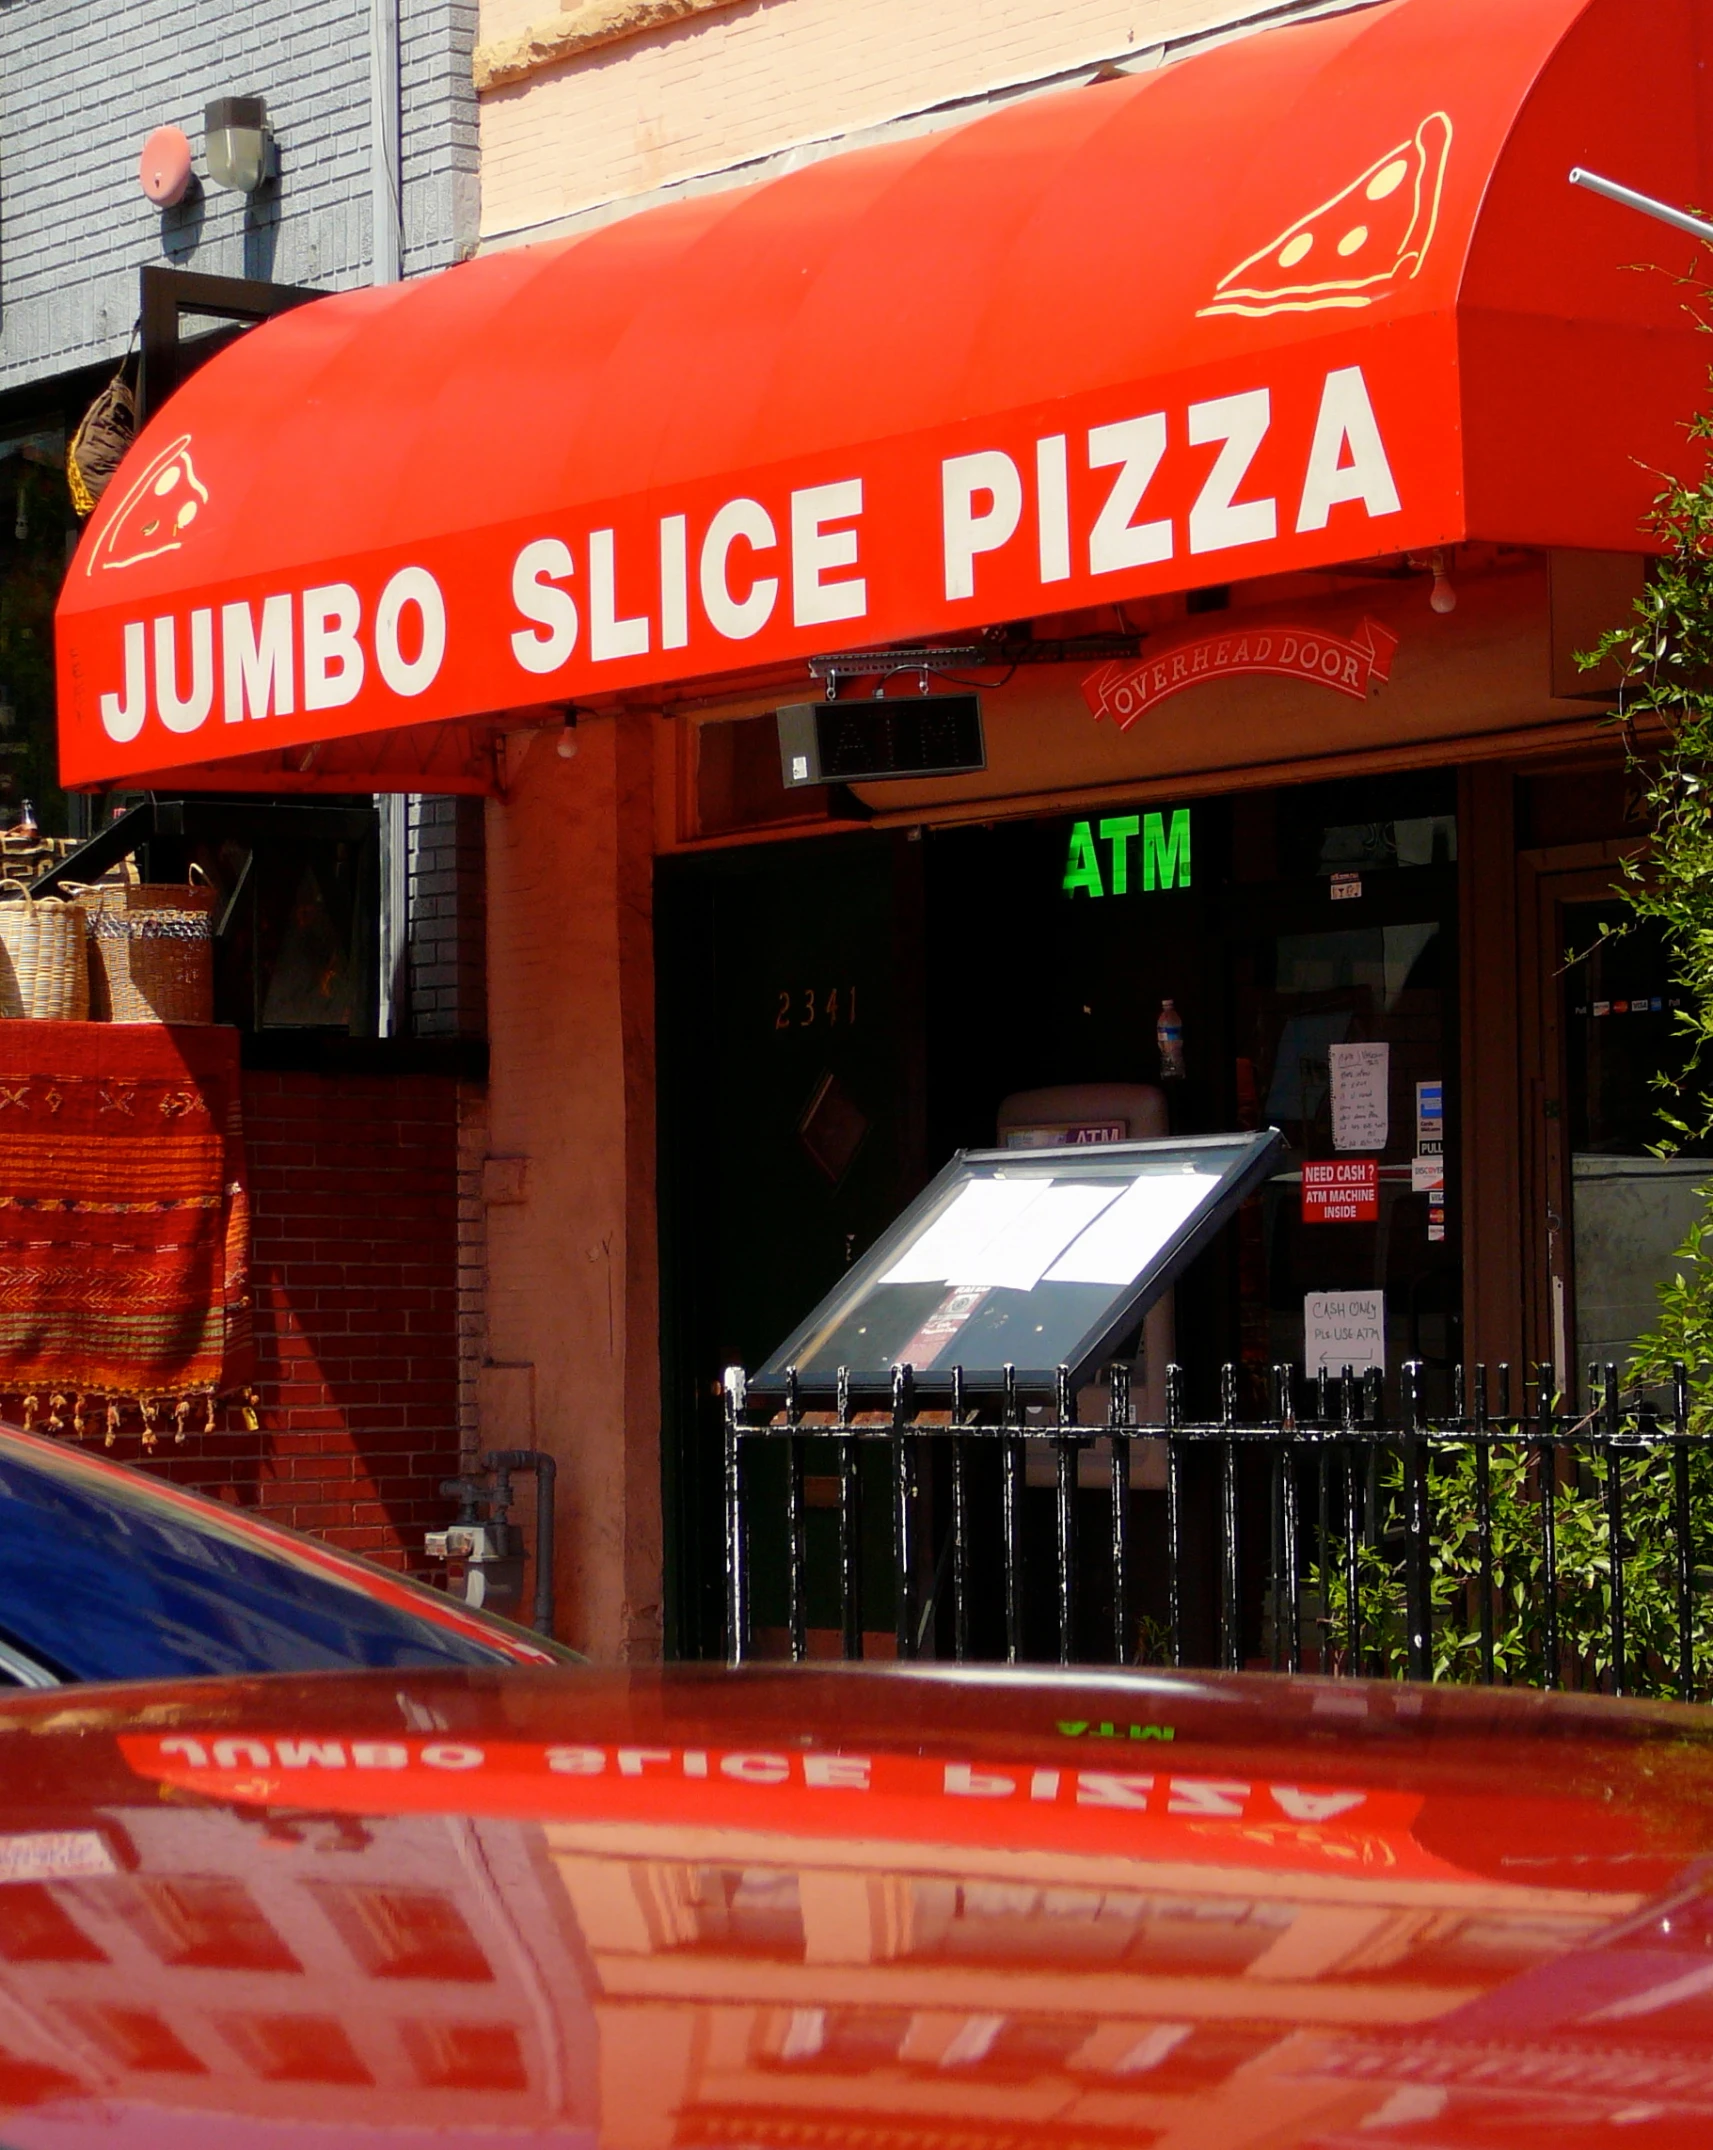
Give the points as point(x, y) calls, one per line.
point(1313, 295)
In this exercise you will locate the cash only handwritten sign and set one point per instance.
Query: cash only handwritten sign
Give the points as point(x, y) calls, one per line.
point(1344, 1329)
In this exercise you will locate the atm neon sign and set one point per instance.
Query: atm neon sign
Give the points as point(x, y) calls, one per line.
point(1151, 851)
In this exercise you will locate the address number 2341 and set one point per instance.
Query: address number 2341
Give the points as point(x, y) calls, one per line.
point(810, 1007)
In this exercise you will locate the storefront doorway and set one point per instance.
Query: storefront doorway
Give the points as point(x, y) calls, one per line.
point(1307, 942)
point(790, 1056)
point(1309, 923)
point(1613, 1212)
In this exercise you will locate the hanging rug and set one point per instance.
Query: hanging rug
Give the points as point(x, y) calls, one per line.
point(124, 1212)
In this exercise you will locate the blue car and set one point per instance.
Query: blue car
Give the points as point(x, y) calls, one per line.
point(107, 1574)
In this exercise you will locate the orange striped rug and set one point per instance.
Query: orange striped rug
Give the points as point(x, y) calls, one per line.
point(124, 1211)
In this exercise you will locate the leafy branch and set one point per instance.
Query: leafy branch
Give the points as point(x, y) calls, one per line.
point(1664, 658)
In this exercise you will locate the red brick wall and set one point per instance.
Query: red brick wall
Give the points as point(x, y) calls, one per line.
point(355, 1268)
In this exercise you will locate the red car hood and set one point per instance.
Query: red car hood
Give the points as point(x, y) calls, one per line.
point(851, 1910)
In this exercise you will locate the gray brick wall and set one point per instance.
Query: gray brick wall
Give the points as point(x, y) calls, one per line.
point(447, 932)
point(82, 82)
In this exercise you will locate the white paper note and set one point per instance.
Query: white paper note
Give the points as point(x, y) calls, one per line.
point(1016, 1257)
point(1344, 1328)
point(1000, 1234)
point(957, 1235)
point(1122, 1242)
point(1360, 1077)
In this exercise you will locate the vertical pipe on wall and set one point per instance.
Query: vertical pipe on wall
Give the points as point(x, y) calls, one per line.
point(385, 175)
point(392, 1015)
point(386, 250)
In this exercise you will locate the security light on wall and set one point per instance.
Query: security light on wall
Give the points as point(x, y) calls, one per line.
point(239, 143)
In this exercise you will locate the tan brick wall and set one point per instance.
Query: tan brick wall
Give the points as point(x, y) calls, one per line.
point(724, 87)
point(544, 41)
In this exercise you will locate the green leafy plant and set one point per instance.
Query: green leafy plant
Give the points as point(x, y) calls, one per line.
point(1519, 1597)
point(1664, 658)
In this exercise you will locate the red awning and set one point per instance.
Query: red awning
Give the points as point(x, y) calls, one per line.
point(1317, 294)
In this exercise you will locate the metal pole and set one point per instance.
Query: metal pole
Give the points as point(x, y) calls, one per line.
point(1683, 1519)
point(1065, 1514)
point(850, 1525)
point(737, 1547)
point(1117, 1418)
point(796, 1531)
point(1615, 1546)
point(904, 1509)
point(1231, 1571)
point(1628, 198)
point(1418, 1588)
point(1174, 1513)
point(1546, 1466)
point(546, 1478)
point(384, 165)
point(1011, 1513)
point(1285, 1411)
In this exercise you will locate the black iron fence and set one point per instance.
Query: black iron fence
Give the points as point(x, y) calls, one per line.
point(1507, 1535)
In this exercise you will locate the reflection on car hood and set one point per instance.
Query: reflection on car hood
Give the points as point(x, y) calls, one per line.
point(851, 1911)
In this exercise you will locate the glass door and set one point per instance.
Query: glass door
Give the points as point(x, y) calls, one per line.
point(1629, 1208)
point(1346, 969)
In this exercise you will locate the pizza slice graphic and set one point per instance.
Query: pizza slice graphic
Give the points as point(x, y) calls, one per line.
point(1353, 249)
point(158, 508)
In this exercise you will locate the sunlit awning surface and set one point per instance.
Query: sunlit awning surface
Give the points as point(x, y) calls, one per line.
point(1317, 294)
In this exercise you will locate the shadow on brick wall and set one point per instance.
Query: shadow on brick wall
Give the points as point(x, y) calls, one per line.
point(355, 1269)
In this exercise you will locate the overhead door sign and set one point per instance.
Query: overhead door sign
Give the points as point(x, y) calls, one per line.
point(1357, 664)
point(1341, 1190)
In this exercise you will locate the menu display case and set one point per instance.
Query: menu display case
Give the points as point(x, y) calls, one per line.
point(1032, 1260)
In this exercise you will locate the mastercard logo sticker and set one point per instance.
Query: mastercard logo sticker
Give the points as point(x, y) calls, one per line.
point(1371, 236)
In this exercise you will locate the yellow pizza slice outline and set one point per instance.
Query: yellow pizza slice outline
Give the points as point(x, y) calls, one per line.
point(1431, 147)
point(107, 545)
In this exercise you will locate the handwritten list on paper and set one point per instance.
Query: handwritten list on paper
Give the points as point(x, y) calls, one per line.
point(1344, 1328)
point(1361, 1075)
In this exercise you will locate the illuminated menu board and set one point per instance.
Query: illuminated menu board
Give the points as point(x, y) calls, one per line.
point(1033, 1259)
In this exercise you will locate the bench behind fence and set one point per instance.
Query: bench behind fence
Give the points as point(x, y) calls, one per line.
point(1509, 1536)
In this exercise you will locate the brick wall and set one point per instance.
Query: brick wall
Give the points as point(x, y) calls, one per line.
point(355, 1261)
point(438, 134)
point(83, 82)
point(448, 921)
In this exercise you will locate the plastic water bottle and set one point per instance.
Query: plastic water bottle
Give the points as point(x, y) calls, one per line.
point(1169, 1037)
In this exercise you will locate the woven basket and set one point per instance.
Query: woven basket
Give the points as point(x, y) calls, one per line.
point(44, 966)
point(151, 952)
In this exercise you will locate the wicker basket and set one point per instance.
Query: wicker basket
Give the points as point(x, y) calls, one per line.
point(44, 965)
point(151, 952)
